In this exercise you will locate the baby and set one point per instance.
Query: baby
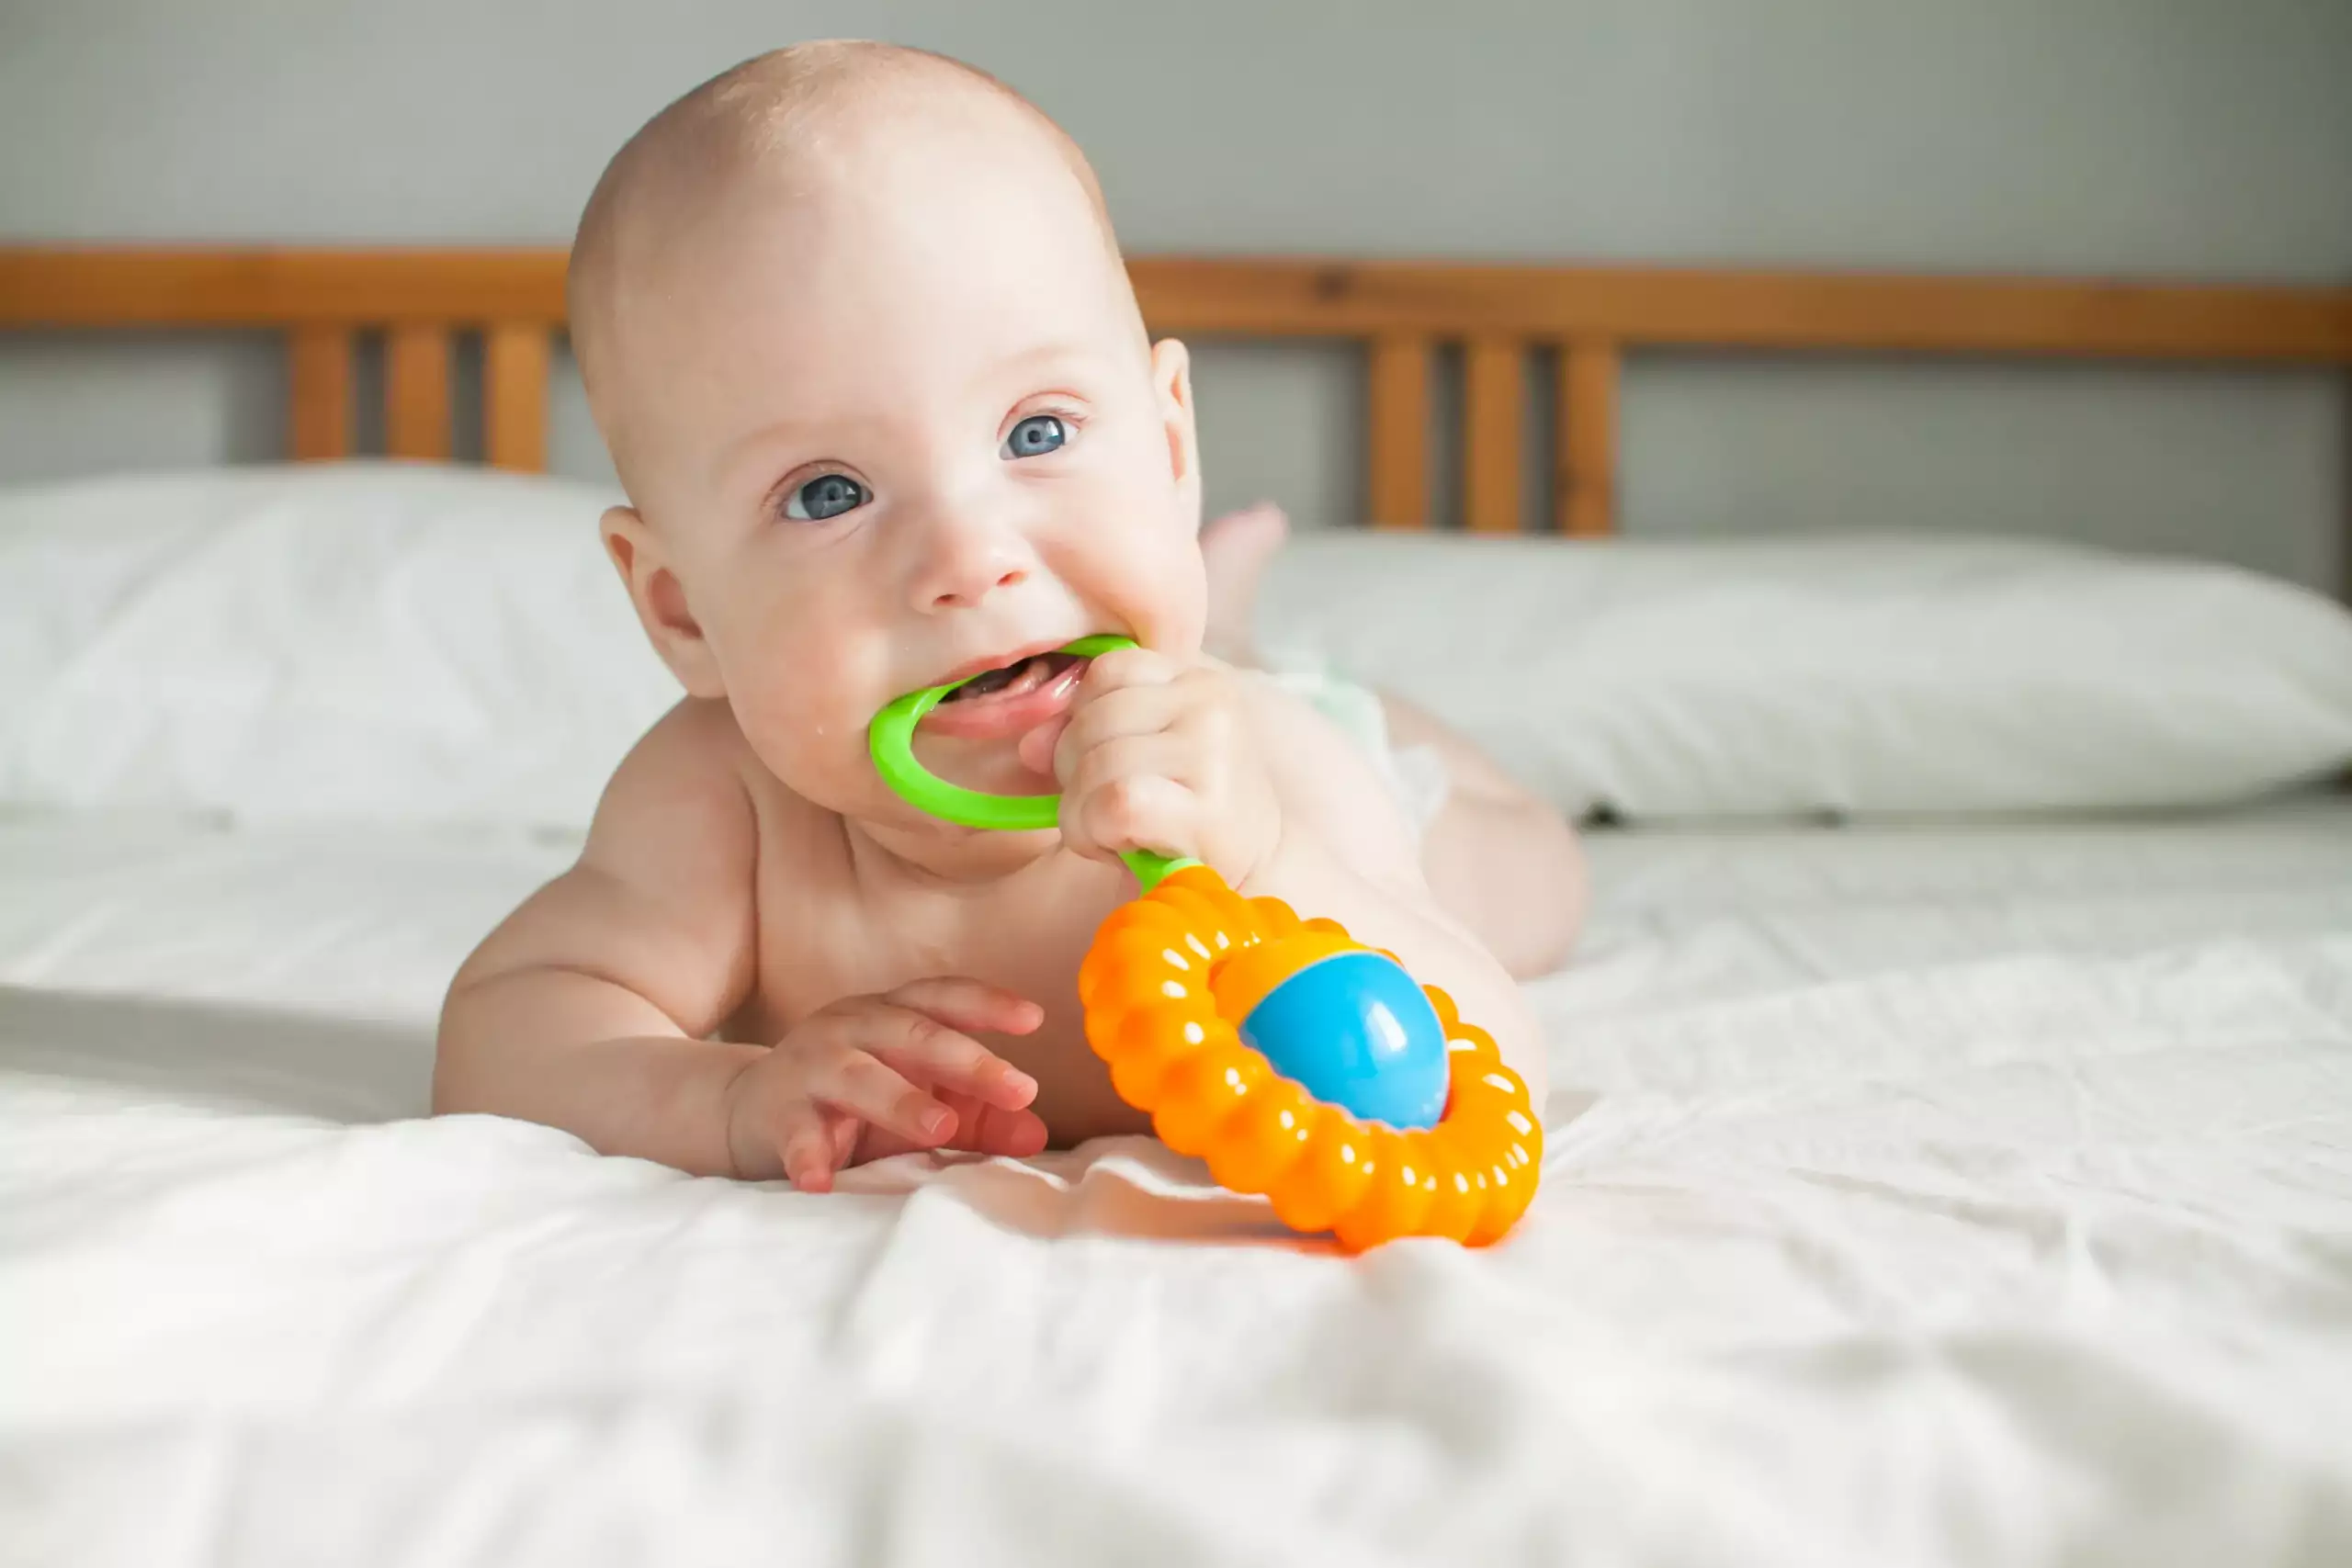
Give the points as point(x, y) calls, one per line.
point(855, 327)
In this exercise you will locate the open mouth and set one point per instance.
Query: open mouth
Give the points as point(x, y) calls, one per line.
point(1007, 703)
point(1016, 680)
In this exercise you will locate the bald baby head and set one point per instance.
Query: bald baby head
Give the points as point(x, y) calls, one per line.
point(856, 333)
point(779, 141)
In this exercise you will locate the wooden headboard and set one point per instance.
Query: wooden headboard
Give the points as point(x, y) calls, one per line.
point(1589, 317)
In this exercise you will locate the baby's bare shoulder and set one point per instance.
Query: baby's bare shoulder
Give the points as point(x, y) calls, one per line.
point(659, 901)
point(685, 778)
point(692, 794)
point(665, 896)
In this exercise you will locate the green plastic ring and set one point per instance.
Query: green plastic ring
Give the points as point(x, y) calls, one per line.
point(890, 740)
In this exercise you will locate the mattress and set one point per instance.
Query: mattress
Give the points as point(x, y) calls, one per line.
point(1947, 1195)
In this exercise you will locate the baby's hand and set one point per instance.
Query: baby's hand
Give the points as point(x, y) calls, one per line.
point(874, 1075)
point(1161, 756)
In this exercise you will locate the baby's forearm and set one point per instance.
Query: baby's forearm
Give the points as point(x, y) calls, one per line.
point(570, 1050)
point(1313, 881)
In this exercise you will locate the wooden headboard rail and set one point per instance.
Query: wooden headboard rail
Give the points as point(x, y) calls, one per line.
point(1404, 312)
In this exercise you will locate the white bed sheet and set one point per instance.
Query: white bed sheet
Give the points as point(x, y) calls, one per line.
point(1949, 1196)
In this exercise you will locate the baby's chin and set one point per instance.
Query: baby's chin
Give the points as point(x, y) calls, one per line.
point(865, 809)
point(992, 767)
point(844, 781)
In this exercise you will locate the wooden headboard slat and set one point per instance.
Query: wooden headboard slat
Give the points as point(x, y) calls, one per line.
point(514, 396)
point(1584, 495)
point(1592, 316)
point(1494, 376)
point(57, 286)
point(1854, 312)
point(416, 391)
point(1396, 439)
point(319, 401)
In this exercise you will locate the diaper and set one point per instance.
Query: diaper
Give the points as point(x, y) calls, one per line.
point(1416, 775)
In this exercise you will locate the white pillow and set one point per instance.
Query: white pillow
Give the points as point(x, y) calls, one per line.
point(390, 641)
point(403, 642)
point(1855, 674)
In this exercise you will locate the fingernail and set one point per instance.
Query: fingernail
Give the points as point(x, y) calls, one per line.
point(935, 1122)
point(1019, 1081)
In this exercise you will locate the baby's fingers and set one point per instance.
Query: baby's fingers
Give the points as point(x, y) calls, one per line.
point(984, 1129)
point(806, 1144)
point(940, 1057)
point(1135, 811)
point(1123, 670)
point(794, 1138)
point(1018, 1133)
point(926, 1042)
point(847, 1079)
point(1121, 716)
point(962, 1003)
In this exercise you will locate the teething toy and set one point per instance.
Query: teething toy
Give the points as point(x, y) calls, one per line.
point(1299, 1063)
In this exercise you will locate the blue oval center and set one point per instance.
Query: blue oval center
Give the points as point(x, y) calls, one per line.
point(1354, 1030)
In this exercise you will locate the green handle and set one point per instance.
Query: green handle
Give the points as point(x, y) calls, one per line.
point(1151, 868)
point(891, 737)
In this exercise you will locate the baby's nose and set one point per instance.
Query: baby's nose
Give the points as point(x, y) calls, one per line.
point(965, 557)
point(963, 591)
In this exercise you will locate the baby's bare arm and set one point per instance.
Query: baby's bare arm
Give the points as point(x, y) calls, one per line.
point(590, 1007)
point(1346, 851)
point(587, 1008)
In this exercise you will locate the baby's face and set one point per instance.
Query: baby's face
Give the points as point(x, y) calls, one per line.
point(901, 429)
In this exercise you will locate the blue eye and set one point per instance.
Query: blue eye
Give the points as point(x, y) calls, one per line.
point(1034, 436)
point(827, 495)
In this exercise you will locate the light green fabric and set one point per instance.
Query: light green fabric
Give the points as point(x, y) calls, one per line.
point(1355, 709)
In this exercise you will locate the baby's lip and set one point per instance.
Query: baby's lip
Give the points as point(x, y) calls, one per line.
point(988, 662)
point(1008, 714)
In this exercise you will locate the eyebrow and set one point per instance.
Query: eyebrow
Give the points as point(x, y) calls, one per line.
point(1046, 353)
point(737, 453)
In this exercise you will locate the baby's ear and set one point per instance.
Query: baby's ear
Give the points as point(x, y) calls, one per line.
point(1171, 385)
point(660, 602)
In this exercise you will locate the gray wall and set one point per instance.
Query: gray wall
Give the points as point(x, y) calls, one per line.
point(2160, 137)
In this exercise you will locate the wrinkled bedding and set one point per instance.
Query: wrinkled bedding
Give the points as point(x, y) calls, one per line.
point(1936, 1195)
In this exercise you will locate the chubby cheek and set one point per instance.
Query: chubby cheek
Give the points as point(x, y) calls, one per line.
point(1170, 608)
point(800, 685)
point(1133, 554)
point(818, 751)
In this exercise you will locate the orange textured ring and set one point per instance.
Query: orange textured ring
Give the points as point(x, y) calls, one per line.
point(1152, 1016)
